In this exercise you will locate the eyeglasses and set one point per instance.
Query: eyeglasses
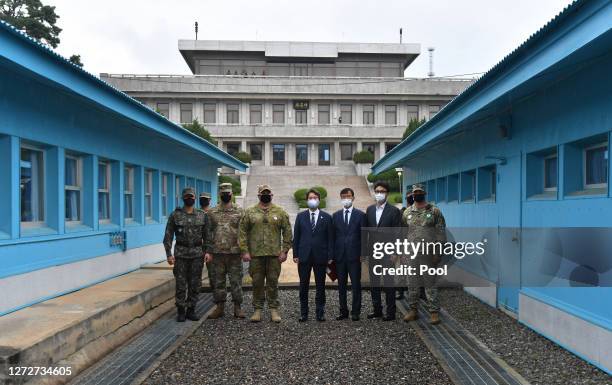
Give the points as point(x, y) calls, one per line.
point(380, 191)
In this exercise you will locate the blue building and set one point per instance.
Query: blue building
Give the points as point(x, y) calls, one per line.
point(524, 155)
point(88, 175)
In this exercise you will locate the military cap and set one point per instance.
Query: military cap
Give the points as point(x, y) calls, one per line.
point(263, 187)
point(225, 188)
point(205, 195)
point(418, 187)
point(188, 191)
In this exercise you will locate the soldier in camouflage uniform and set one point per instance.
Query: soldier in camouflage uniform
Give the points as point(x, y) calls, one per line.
point(225, 252)
point(265, 238)
point(210, 269)
point(189, 225)
point(425, 223)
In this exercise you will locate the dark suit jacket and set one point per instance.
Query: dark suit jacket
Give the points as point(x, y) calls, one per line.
point(391, 218)
point(318, 243)
point(347, 239)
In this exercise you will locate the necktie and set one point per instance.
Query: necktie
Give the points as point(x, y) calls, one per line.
point(346, 213)
point(312, 221)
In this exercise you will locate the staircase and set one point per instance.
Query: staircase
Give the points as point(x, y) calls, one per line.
point(284, 180)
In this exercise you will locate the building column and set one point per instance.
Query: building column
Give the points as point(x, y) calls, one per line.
point(381, 149)
point(336, 153)
point(313, 156)
point(290, 154)
point(267, 153)
point(359, 146)
point(243, 145)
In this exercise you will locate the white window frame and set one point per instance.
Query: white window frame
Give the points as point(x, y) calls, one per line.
point(227, 113)
point(190, 110)
point(274, 112)
point(164, 195)
point(328, 112)
point(128, 176)
point(300, 112)
point(213, 110)
point(78, 187)
point(544, 188)
point(148, 193)
point(160, 110)
point(396, 120)
point(364, 112)
point(252, 111)
point(584, 165)
point(349, 111)
point(43, 222)
point(106, 190)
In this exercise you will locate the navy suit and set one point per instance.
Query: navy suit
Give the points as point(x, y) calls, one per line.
point(313, 248)
point(347, 255)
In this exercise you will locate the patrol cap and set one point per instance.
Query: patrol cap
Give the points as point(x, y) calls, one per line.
point(205, 195)
point(188, 191)
point(418, 187)
point(263, 187)
point(225, 188)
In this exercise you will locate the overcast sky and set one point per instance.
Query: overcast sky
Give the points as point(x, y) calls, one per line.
point(134, 36)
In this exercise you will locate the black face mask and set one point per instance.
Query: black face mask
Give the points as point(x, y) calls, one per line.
point(410, 200)
point(189, 202)
point(225, 198)
point(419, 198)
point(265, 198)
point(204, 202)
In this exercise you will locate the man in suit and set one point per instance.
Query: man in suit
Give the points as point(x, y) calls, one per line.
point(383, 216)
point(313, 242)
point(348, 222)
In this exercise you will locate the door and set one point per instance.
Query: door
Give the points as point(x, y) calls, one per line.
point(324, 154)
point(278, 154)
point(301, 154)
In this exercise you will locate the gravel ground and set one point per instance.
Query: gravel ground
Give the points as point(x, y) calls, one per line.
point(231, 351)
point(536, 358)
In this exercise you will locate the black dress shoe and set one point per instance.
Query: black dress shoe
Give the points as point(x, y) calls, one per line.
point(321, 318)
point(389, 318)
point(180, 315)
point(341, 317)
point(191, 315)
point(355, 317)
point(303, 318)
point(374, 315)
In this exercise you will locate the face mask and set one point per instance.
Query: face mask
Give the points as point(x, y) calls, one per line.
point(347, 203)
point(313, 203)
point(189, 202)
point(380, 197)
point(266, 198)
point(225, 198)
point(410, 200)
point(204, 202)
point(419, 198)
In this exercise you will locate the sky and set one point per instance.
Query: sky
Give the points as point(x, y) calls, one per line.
point(138, 37)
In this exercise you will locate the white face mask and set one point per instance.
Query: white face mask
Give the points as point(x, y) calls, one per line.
point(347, 202)
point(380, 197)
point(313, 203)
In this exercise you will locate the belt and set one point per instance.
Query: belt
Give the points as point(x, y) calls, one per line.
point(189, 244)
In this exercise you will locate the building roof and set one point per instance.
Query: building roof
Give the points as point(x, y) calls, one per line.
point(19, 49)
point(561, 44)
point(298, 49)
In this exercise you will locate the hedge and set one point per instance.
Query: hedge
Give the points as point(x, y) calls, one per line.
point(364, 156)
point(389, 176)
point(236, 187)
point(244, 157)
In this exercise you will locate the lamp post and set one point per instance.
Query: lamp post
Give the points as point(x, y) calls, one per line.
point(399, 171)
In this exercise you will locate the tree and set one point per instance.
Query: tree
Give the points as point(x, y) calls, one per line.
point(412, 126)
point(76, 59)
point(33, 18)
point(196, 128)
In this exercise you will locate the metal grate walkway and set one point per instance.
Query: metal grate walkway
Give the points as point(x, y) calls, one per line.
point(126, 363)
point(466, 360)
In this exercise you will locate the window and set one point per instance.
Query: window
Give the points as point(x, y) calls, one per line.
point(323, 114)
point(164, 195)
point(468, 186)
point(301, 116)
point(233, 148)
point(186, 112)
point(441, 190)
point(371, 147)
point(32, 185)
point(487, 183)
point(164, 109)
point(453, 188)
point(433, 110)
point(391, 114)
point(210, 113)
point(389, 146)
point(278, 114)
point(233, 115)
point(346, 114)
point(72, 166)
point(368, 114)
point(596, 166)
point(550, 172)
point(346, 151)
point(104, 189)
point(177, 191)
point(256, 151)
point(255, 114)
point(431, 191)
point(148, 194)
point(128, 193)
point(413, 112)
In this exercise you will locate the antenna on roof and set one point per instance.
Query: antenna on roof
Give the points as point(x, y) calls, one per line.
point(431, 71)
point(400, 36)
point(196, 30)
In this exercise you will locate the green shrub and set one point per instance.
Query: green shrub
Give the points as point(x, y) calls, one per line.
point(364, 156)
point(236, 187)
point(389, 176)
point(395, 197)
point(196, 128)
point(244, 157)
point(300, 194)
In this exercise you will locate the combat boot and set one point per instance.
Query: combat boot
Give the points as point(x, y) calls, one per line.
point(274, 316)
point(180, 314)
point(238, 313)
point(218, 312)
point(191, 315)
point(412, 315)
point(256, 317)
point(435, 318)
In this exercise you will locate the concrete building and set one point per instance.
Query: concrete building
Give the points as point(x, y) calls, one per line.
point(295, 103)
point(526, 162)
point(88, 175)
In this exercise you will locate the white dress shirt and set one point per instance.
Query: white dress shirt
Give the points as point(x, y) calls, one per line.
point(316, 216)
point(350, 211)
point(379, 211)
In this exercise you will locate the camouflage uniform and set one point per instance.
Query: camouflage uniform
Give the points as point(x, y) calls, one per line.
point(426, 224)
point(210, 269)
point(264, 233)
point(190, 231)
point(223, 245)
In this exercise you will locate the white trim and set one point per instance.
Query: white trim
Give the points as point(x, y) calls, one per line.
point(78, 187)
